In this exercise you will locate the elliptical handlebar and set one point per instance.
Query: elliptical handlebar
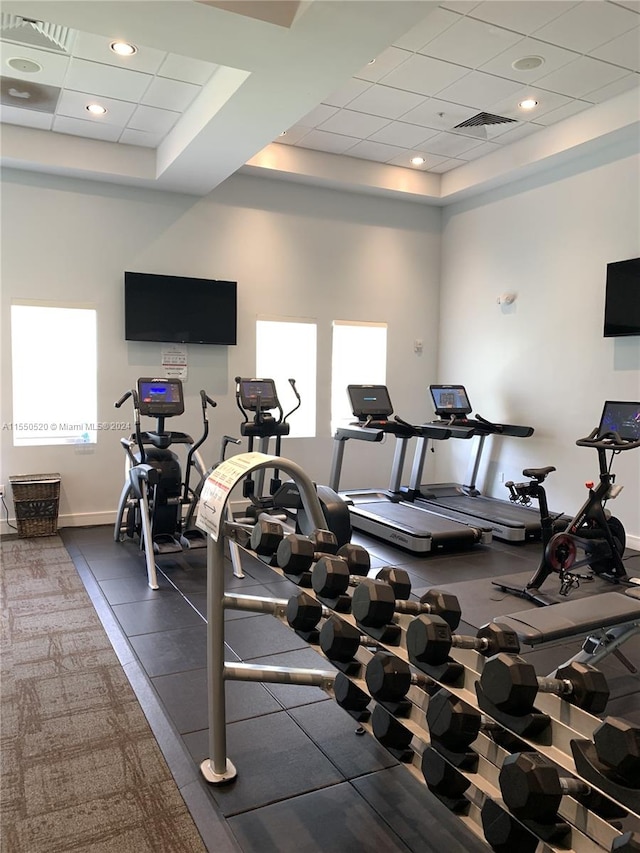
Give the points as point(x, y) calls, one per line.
point(610, 440)
point(124, 398)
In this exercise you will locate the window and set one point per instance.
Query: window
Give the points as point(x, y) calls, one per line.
point(359, 357)
point(287, 349)
point(54, 368)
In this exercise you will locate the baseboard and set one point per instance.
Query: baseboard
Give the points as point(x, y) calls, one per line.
point(633, 542)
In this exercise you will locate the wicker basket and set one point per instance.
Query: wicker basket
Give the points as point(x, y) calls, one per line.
point(36, 499)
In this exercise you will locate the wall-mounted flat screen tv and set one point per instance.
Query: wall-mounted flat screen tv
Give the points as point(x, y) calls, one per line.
point(622, 300)
point(180, 310)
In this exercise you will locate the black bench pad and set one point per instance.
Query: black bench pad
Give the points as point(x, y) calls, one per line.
point(574, 618)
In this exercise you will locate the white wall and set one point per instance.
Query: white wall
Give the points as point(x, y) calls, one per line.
point(543, 361)
point(294, 250)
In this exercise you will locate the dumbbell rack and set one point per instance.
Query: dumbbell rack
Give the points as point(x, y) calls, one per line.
point(579, 828)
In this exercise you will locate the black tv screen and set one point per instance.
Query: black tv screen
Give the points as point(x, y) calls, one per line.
point(622, 300)
point(179, 309)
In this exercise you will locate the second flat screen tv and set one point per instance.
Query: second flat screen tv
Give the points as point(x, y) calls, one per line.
point(179, 309)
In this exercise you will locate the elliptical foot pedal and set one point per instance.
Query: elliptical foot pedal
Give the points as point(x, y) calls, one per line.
point(194, 538)
point(163, 543)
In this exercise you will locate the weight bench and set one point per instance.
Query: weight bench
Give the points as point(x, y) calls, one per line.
point(608, 620)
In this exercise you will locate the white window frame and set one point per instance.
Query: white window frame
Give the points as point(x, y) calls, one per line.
point(287, 347)
point(54, 358)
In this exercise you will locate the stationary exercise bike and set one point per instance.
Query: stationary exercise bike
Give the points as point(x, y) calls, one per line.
point(155, 497)
point(593, 531)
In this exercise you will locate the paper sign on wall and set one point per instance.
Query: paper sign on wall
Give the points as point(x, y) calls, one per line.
point(175, 363)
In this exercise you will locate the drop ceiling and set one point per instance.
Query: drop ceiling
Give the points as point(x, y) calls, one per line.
point(342, 93)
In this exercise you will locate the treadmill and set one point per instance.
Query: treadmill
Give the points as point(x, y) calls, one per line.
point(389, 514)
point(509, 522)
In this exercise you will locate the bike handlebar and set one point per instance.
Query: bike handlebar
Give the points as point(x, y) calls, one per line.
point(123, 399)
point(610, 440)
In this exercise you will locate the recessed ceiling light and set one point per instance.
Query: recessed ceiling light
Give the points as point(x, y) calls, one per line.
point(417, 161)
point(123, 48)
point(528, 104)
point(283, 133)
point(527, 63)
point(96, 109)
point(370, 62)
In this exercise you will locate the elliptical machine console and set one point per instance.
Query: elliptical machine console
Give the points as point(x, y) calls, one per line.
point(154, 495)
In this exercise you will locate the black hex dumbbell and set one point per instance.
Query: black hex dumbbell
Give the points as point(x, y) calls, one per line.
point(617, 744)
point(504, 834)
point(339, 640)
point(454, 723)
point(304, 612)
point(532, 789)
point(266, 537)
point(511, 684)
point(443, 779)
point(333, 575)
point(389, 677)
point(350, 697)
point(374, 604)
point(390, 732)
point(429, 640)
point(296, 553)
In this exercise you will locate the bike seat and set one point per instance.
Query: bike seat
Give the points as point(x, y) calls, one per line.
point(538, 474)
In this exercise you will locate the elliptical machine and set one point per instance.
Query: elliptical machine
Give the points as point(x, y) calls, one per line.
point(154, 496)
point(593, 530)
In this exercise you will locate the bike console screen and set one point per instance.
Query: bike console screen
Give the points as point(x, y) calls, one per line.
point(160, 397)
point(370, 402)
point(450, 401)
point(258, 391)
point(621, 417)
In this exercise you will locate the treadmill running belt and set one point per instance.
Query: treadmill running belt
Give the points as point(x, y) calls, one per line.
point(416, 521)
point(491, 509)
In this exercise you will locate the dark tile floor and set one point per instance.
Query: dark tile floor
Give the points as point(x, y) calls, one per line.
point(305, 781)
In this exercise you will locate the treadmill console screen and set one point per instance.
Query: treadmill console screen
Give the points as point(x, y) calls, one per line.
point(370, 401)
point(160, 397)
point(254, 390)
point(621, 417)
point(450, 400)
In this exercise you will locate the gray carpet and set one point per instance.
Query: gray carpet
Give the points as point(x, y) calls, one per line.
point(80, 768)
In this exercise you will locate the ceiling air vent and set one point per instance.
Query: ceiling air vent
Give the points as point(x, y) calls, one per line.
point(477, 125)
point(29, 31)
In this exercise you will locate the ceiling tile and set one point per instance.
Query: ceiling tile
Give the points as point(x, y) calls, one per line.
point(547, 101)
point(384, 101)
point(436, 22)
point(26, 118)
point(140, 137)
point(77, 127)
point(73, 105)
point(554, 58)
point(293, 135)
point(186, 69)
point(463, 7)
point(332, 142)
point(480, 151)
point(347, 93)
point(523, 16)
point(403, 134)
point(26, 95)
point(588, 25)
point(581, 76)
point(368, 150)
point(96, 48)
point(430, 160)
point(54, 66)
point(441, 115)
point(447, 166)
point(317, 116)
point(170, 94)
point(424, 75)
point(389, 59)
point(85, 76)
point(519, 131)
point(480, 90)
point(152, 120)
point(450, 144)
point(471, 43)
point(350, 123)
point(569, 109)
point(632, 81)
point(623, 50)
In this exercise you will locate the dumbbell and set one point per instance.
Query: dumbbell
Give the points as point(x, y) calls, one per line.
point(532, 789)
point(374, 604)
point(504, 834)
point(454, 723)
point(617, 744)
point(511, 684)
point(296, 553)
point(266, 537)
point(389, 677)
point(340, 640)
point(350, 697)
point(390, 732)
point(333, 575)
point(304, 612)
point(442, 778)
point(429, 640)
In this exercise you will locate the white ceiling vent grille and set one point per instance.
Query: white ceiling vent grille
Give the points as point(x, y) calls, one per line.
point(29, 31)
point(483, 120)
